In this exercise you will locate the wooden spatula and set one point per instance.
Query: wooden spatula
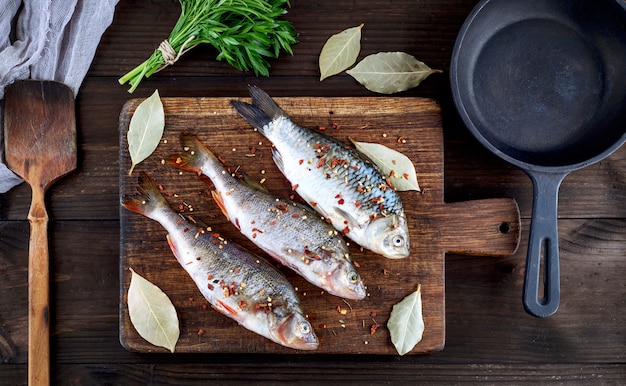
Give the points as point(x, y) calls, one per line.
point(40, 146)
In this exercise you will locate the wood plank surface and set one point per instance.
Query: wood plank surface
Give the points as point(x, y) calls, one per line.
point(489, 339)
point(411, 126)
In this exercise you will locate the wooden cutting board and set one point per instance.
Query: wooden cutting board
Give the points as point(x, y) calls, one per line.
point(409, 125)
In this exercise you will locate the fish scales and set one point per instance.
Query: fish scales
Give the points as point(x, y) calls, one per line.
point(236, 282)
point(333, 178)
point(291, 233)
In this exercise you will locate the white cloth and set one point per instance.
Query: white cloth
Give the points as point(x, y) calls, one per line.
point(51, 40)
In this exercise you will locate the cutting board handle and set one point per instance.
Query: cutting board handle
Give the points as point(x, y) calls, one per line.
point(489, 227)
point(38, 288)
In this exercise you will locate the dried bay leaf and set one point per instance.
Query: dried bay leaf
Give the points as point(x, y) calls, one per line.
point(406, 323)
point(340, 52)
point(145, 129)
point(152, 313)
point(390, 72)
point(392, 163)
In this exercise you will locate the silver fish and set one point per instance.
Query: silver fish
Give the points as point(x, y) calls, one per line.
point(236, 282)
point(291, 233)
point(333, 178)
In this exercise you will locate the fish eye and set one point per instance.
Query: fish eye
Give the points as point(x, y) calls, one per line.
point(353, 277)
point(305, 327)
point(398, 241)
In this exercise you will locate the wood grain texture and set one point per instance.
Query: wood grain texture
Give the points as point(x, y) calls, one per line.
point(435, 228)
point(40, 146)
point(489, 337)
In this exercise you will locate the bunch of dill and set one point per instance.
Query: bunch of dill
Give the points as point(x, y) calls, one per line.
point(244, 32)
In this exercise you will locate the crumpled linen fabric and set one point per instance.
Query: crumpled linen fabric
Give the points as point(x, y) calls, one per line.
point(49, 40)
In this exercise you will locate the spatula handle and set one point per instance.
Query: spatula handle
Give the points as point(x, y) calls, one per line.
point(38, 288)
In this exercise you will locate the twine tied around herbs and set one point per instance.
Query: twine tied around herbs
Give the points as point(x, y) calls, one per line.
point(169, 54)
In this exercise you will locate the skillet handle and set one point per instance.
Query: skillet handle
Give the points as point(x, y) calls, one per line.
point(543, 247)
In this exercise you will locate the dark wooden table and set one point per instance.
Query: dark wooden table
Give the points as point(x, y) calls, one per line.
point(489, 336)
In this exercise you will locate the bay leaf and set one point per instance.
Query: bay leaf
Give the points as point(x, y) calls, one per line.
point(145, 129)
point(390, 72)
point(152, 313)
point(406, 323)
point(392, 163)
point(340, 52)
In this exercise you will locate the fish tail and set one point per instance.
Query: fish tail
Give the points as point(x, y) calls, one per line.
point(262, 110)
point(148, 199)
point(195, 155)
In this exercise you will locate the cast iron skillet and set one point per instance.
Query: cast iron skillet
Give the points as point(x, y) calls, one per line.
point(541, 84)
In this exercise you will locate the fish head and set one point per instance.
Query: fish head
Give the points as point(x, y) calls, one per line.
point(389, 236)
point(295, 331)
point(344, 281)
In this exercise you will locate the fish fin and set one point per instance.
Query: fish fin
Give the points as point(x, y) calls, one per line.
point(194, 156)
point(352, 222)
point(262, 111)
point(148, 199)
point(265, 102)
point(170, 242)
point(252, 114)
point(225, 308)
point(217, 196)
point(254, 184)
point(278, 160)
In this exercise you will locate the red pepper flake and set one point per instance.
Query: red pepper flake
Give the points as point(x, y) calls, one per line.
point(295, 215)
point(355, 168)
point(254, 235)
point(226, 290)
point(282, 207)
point(200, 332)
point(373, 328)
point(405, 176)
point(294, 187)
point(215, 235)
point(300, 162)
point(210, 286)
point(243, 304)
point(373, 314)
point(237, 223)
point(321, 162)
point(185, 230)
point(313, 203)
point(191, 299)
point(385, 271)
point(205, 307)
point(210, 277)
point(356, 264)
point(323, 325)
point(219, 157)
point(345, 231)
point(357, 203)
point(341, 201)
point(321, 128)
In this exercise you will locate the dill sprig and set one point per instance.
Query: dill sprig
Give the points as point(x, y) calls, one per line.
point(244, 32)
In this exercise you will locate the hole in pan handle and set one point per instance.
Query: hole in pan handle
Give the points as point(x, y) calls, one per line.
point(542, 278)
